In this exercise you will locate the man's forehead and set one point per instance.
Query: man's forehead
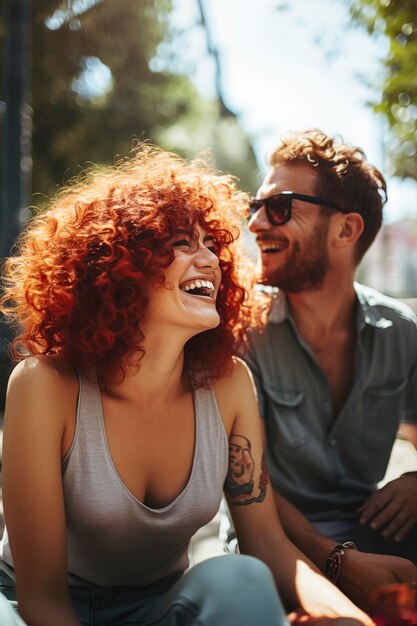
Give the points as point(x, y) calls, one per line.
point(298, 177)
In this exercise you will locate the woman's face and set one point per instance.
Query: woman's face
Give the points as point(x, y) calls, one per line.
point(187, 299)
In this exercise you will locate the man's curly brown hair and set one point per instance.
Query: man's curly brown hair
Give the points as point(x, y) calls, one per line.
point(343, 175)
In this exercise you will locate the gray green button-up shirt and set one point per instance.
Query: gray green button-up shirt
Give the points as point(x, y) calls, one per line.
point(327, 465)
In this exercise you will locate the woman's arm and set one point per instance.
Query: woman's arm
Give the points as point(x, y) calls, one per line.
point(40, 399)
point(253, 509)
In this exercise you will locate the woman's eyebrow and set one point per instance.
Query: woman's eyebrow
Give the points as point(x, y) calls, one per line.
point(181, 231)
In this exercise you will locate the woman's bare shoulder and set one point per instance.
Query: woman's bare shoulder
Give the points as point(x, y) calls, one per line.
point(42, 370)
point(235, 392)
point(238, 376)
point(42, 386)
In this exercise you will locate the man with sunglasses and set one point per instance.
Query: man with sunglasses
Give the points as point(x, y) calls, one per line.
point(335, 366)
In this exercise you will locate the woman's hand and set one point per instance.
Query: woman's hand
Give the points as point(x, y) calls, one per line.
point(319, 598)
point(299, 618)
point(362, 572)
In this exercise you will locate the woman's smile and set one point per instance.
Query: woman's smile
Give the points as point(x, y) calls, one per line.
point(198, 287)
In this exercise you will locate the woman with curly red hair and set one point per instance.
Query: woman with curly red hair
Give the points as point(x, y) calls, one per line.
point(127, 412)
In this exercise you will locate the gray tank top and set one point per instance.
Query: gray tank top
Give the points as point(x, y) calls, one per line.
point(112, 537)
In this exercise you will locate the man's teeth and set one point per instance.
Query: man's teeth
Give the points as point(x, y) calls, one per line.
point(271, 247)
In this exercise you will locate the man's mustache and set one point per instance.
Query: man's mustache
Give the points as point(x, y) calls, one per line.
point(267, 237)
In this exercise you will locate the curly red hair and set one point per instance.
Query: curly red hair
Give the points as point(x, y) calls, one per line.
point(77, 284)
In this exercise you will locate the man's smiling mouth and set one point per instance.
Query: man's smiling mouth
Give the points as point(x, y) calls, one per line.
point(269, 247)
point(198, 287)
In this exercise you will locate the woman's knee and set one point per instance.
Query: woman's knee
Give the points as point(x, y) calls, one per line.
point(246, 570)
point(237, 585)
point(236, 572)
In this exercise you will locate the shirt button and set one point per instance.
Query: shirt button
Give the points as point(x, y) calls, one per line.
point(332, 442)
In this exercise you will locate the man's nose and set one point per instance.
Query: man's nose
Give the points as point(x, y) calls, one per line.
point(259, 221)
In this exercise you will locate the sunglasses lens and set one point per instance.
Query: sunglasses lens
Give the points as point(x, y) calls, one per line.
point(254, 206)
point(279, 209)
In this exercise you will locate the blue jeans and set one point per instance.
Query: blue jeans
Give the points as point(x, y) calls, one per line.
point(222, 591)
point(8, 613)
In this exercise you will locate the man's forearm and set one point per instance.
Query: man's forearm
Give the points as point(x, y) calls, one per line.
point(360, 572)
point(303, 534)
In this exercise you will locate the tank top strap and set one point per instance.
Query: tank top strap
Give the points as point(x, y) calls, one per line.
point(211, 434)
point(89, 399)
point(89, 427)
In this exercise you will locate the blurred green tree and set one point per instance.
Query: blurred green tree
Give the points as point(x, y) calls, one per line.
point(94, 91)
point(396, 20)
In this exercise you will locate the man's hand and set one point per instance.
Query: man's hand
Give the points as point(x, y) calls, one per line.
point(392, 508)
point(362, 572)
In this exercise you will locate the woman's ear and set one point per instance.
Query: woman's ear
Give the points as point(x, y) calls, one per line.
point(349, 228)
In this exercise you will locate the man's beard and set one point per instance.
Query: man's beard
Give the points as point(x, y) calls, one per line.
point(306, 267)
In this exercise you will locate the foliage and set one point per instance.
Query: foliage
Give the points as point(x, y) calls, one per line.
point(396, 20)
point(76, 43)
point(96, 87)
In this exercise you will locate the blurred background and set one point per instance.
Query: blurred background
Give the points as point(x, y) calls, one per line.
point(81, 80)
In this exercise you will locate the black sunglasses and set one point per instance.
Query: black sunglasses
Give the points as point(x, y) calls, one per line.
point(278, 207)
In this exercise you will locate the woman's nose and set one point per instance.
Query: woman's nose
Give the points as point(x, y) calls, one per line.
point(206, 257)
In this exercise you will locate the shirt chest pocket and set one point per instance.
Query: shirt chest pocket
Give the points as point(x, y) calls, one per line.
point(283, 417)
point(382, 413)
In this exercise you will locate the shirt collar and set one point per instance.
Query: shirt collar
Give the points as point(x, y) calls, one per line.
point(368, 313)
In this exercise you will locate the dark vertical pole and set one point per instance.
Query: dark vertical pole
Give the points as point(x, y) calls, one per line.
point(212, 50)
point(15, 120)
point(16, 162)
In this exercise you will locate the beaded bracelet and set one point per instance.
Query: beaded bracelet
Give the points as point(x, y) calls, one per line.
point(334, 560)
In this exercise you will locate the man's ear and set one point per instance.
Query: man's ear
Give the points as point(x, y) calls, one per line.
point(349, 229)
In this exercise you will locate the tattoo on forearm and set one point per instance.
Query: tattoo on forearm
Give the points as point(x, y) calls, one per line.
point(239, 484)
